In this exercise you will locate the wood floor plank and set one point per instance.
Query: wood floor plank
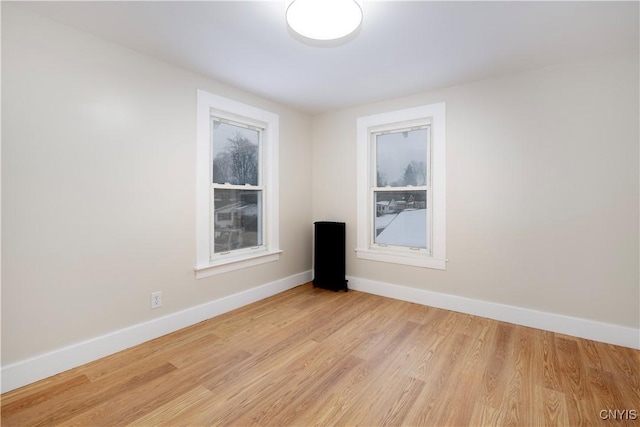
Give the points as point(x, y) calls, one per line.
point(63, 406)
point(554, 407)
point(419, 361)
point(418, 313)
point(174, 409)
point(484, 415)
point(435, 397)
point(623, 364)
point(309, 356)
point(573, 376)
point(494, 384)
point(125, 407)
point(10, 407)
point(149, 353)
point(386, 402)
point(286, 409)
point(519, 392)
point(346, 315)
point(547, 357)
point(469, 370)
point(276, 389)
point(328, 408)
point(43, 387)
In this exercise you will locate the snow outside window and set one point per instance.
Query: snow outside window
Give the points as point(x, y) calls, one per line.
point(237, 186)
point(401, 216)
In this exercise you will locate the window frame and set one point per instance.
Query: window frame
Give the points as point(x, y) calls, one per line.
point(209, 263)
point(432, 115)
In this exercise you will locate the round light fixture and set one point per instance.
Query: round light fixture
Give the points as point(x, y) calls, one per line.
point(324, 19)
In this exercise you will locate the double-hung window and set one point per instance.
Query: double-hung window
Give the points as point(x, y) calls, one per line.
point(237, 192)
point(400, 189)
point(237, 185)
point(401, 200)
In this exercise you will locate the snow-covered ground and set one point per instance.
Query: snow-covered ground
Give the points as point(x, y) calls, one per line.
point(408, 228)
point(384, 220)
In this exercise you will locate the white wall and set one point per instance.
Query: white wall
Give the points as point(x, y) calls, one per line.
point(542, 190)
point(98, 188)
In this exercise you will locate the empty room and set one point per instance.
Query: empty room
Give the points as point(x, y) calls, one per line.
point(320, 212)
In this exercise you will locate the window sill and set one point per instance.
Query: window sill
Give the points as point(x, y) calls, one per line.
point(404, 259)
point(237, 263)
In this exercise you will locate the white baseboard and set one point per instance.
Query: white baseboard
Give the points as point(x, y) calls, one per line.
point(583, 328)
point(28, 371)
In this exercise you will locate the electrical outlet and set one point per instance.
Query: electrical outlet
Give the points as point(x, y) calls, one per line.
point(156, 299)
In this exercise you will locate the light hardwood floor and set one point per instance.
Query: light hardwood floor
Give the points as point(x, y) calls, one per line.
point(314, 357)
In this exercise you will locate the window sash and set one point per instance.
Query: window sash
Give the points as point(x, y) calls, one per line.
point(259, 188)
point(374, 188)
point(245, 125)
point(261, 236)
point(428, 226)
point(392, 130)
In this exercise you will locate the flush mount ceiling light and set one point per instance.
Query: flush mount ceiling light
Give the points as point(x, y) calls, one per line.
point(324, 19)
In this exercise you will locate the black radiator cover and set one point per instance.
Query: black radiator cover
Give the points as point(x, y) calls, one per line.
point(329, 260)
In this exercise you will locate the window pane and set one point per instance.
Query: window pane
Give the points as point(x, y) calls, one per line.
point(401, 218)
point(235, 154)
point(401, 158)
point(237, 219)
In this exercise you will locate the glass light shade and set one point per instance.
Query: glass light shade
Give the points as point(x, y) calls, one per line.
point(324, 19)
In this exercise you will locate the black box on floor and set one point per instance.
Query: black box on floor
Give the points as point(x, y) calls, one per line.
point(329, 256)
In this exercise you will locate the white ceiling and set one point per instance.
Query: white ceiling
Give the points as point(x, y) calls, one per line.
point(401, 48)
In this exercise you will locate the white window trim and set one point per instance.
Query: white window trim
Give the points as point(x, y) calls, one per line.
point(365, 126)
point(208, 103)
